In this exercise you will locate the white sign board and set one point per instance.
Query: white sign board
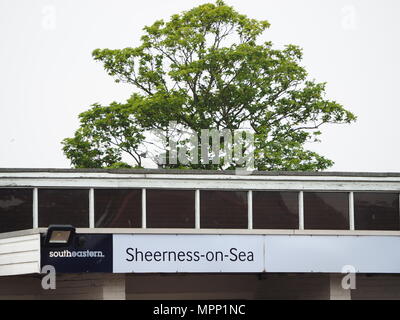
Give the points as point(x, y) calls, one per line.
point(254, 253)
point(188, 253)
point(366, 254)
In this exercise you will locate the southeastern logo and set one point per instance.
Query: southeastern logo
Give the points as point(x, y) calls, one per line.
point(76, 254)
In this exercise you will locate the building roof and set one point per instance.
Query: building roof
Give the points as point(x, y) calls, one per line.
point(202, 172)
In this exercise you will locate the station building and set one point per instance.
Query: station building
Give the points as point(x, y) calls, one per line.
point(187, 234)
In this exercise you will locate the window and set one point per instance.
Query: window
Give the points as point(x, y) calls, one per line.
point(326, 210)
point(64, 206)
point(16, 209)
point(223, 209)
point(118, 208)
point(376, 211)
point(170, 208)
point(275, 210)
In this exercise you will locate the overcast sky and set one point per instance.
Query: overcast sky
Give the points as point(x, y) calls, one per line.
point(47, 74)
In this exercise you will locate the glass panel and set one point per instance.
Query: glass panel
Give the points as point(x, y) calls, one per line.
point(16, 209)
point(64, 206)
point(275, 210)
point(326, 210)
point(170, 208)
point(376, 211)
point(118, 208)
point(223, 209)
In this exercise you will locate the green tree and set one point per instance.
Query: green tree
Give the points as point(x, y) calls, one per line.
point(205, 69)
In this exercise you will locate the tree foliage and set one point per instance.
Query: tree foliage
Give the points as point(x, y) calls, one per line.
point(205, 69)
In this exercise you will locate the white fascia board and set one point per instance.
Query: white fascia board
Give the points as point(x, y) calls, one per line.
point(199, 181)
point(226, 184)
point(182, 176)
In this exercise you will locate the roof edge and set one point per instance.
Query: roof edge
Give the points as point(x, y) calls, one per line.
point(202, 172)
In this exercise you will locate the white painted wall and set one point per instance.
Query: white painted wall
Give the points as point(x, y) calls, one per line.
point(20, 255)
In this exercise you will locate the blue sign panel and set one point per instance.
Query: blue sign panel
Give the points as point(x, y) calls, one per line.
point(86, 253)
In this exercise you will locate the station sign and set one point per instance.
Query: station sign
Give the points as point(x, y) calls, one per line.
point(188, 253)
point(211, 253)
